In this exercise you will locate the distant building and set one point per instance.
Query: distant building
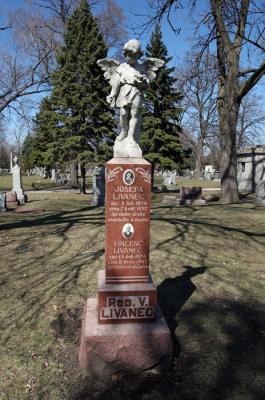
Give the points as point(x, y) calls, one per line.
point(250, 168)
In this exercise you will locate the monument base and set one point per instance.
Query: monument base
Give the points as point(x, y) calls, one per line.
point(114, 350)
point(120, 303)
point(21, 197)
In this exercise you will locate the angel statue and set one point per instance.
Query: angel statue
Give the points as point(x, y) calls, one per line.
point(128, 82)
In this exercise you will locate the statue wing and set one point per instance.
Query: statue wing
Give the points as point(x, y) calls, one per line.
point(151, 65)
point(109, 66)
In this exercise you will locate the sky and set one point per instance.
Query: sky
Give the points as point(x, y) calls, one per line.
point(177, 45)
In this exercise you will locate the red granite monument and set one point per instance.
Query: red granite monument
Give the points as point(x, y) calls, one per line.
point(123, 330)
point(126, 292)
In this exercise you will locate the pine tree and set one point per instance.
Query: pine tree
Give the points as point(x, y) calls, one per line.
point(160, 128)
point(27, 153)
point(79, 91)
point(47, 148)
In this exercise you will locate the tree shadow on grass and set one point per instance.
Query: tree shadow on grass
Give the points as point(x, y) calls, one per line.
point(61, 217)
point(38, 280)
point(222, 359)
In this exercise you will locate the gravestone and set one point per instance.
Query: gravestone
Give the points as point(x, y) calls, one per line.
point(17, 182)
point(123, 330)
point(191, 195)
point(167, 178)
point(11, 200)
point(53, 177)
point(173, 178)
point(38, 171)
point(2, 201)
point(98, 187)
point(260, 193)
point(211, 197)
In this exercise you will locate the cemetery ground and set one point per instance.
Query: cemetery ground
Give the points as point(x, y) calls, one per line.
point(208, 263)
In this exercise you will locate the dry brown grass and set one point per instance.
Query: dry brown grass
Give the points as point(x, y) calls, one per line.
point(208, 263)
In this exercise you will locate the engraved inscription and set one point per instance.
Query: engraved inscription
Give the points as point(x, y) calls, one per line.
point(127, 223)
point(127, 307)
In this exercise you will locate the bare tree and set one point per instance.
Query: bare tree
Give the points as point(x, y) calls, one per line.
point(197, 82)
point(112, 21)
point(251, 122)
point(236, 24)
point(237, 29)
point(110, 17)
point(37, 33)
point(26, 66)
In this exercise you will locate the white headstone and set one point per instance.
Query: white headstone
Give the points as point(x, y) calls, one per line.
point(173, 179)
point(17, 187)
point(53, 178)
point(167, 178)
point(2, 201)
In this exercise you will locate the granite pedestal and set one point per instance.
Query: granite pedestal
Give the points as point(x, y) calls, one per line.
point(106, 350)
point(123, 330)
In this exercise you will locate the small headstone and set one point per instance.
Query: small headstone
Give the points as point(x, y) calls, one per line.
point(53, 177)
point(99, 187)
point(2, 201)
point(260, 193)
point(189, 194)
point(11, 200)
point(211, 197)
point(167, 178)
point(173, 179)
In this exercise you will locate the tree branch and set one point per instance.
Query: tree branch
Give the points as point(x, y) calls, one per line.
point(252, 80)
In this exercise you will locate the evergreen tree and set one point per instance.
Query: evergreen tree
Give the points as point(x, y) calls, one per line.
point(27, 153)
point(48, 141)
point(160, 129)
point(4, 157)
point(4, 154)
point(85, 124)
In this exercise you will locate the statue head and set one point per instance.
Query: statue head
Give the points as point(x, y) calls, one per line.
point(133, 48)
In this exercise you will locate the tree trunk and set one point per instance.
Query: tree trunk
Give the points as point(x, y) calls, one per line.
point(74, 174)
point(83, 182)
point(198, 158)
point(228, 165)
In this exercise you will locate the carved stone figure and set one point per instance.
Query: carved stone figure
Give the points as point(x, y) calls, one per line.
point(128, 82)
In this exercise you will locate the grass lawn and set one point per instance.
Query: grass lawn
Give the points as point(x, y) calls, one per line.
point(27, 182)
point(191, 182)
point(31, 182)
point(208, 263)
